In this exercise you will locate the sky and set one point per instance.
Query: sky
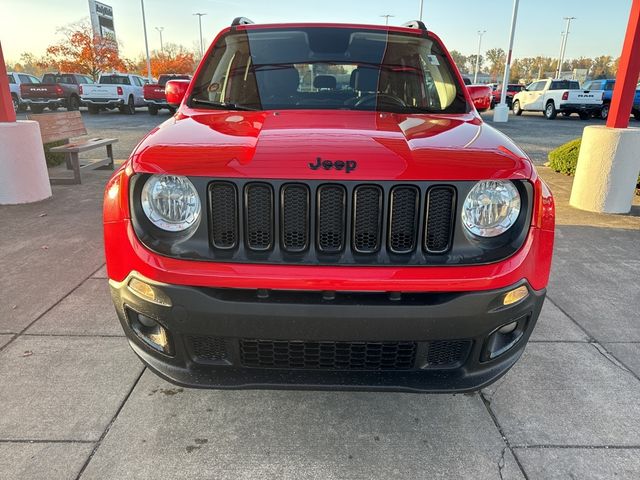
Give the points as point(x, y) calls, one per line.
point(30, 25)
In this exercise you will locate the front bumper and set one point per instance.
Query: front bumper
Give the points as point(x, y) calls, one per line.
point(226, 320)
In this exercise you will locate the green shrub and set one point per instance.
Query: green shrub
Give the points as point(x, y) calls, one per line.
point(565, 158)
point(53, 159)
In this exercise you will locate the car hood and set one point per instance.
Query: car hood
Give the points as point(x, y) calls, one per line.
point(283, 144)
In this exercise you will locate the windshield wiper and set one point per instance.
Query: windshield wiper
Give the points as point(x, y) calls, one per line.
point(222, 105)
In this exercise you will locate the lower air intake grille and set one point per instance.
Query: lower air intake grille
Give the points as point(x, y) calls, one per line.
point(328, 355)
point(207, 349)
point(445, 353)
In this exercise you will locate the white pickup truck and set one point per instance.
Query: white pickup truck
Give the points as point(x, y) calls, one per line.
point(558, 96)
point(114, 90)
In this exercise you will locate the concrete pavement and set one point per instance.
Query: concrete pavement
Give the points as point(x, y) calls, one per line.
point(77, 404)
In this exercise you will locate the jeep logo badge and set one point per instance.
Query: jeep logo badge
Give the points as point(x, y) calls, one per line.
point(347, 165)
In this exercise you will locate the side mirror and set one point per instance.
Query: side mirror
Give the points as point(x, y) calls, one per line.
point(175, 91)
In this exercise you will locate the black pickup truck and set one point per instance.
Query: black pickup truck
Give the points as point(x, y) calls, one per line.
point(56, 90)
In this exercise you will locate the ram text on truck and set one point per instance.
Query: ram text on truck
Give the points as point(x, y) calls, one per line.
point(288, 229)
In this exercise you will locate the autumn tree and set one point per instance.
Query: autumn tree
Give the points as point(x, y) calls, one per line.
point(496, 58)
point(459, 59)
point(81, 51)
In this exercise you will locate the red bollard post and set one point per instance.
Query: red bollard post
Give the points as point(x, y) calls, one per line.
point(624, 91)
point(7, 113)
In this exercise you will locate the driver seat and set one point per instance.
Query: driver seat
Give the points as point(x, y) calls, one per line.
point(364, 80)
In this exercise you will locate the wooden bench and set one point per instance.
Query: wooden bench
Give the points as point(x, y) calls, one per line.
point(55, 127)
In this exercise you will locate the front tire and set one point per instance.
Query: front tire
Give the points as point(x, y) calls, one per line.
point(550, 112)
point(517, 110)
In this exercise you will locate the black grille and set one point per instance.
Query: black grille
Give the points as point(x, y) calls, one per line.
point(403, 229)
point(207, 349)
point(295, 218)
point(224, 215)
point(328, 355)
point(315, 222)
point(439, 221)
point(331, 218)
point(367, 211)
point(447, 353)
point(259, 210)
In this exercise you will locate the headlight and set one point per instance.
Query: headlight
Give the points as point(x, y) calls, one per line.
point(491, 208)
point(171, 202)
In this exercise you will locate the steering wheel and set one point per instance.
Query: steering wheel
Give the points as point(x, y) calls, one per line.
point(374, 98)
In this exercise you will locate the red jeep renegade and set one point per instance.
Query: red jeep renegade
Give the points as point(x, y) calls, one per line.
point(327, 210)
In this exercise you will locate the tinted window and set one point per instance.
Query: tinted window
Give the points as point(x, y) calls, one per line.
point(11, 79)
point(57, 78)
point(515, 88)
point(565, 85)
point(24, 78)
point(114, 80)
point(34, 79)
point(329, 68)
point(609, 85)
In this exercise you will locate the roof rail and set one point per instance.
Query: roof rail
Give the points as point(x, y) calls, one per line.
point(416, 24)
point(241, 21)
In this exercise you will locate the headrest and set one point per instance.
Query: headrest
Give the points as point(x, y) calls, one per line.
point(279, 81)
point(366, 79)
point(325, 81)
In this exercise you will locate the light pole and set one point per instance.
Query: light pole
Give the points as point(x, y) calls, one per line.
point(160, 29)
point(421, 9)
point(564, 44)
point(386, 18)
point(146, 42)
point(200, 15)
point(501, 112)
point(475, 75)
point(557, 72)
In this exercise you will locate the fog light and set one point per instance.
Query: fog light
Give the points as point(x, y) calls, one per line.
point(515, 295)
point(508, 328)
point(150, 332)
point(149, 292)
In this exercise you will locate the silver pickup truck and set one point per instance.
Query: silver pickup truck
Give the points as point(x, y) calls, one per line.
point(558, 96)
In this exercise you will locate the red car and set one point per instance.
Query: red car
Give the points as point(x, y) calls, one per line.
point(154, 95)
point(512, 89)
point(327, 210)
point(480, 95)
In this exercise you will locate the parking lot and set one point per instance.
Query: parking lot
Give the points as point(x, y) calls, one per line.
point(77, 404)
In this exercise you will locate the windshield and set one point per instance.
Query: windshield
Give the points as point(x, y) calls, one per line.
point(163, 79)
point(328, 68)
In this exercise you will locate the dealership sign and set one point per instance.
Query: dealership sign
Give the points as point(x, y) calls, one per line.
point(102, 20)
